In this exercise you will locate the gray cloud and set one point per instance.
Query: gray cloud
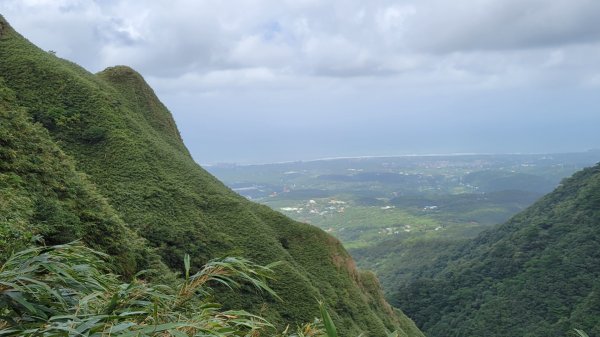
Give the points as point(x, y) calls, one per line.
point(509, 24)
point(332, 39)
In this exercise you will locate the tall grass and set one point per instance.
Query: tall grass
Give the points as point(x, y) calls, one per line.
point(580, 333)
point(65, 291)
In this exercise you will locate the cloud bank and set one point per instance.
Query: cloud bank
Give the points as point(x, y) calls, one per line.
point(336, 62)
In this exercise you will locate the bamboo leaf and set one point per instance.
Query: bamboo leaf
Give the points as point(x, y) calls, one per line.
point(187, 265)
point(327, 321)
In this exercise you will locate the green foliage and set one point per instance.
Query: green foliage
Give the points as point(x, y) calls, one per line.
point(43, 194)
point(402, 261)
point(94, 134)
point(324, 327)
point(327, 321)
point(536, 275)
point(65, 291)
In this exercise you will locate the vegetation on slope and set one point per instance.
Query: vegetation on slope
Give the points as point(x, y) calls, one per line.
point(66, 290)
point(536, 275)
point(125, 141)
point(400, 262)
point(43, 194)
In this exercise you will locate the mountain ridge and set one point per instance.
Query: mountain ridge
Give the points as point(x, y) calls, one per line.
point(125, 142)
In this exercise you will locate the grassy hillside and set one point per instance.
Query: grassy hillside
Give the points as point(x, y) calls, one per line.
point(43, 194)
point(129, 182)
point(536, 275)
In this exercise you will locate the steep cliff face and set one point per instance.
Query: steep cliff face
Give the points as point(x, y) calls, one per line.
point(150, 203)
point(536, 275)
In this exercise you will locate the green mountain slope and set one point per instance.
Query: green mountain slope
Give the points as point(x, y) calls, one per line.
point(130, 188)
point(536, 275)
point(43, 193)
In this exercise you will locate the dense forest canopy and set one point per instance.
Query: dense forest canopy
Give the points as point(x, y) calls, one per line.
point(536, 275)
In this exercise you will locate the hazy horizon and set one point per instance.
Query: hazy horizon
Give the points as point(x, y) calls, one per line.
point(409, 155)
point(272, 81)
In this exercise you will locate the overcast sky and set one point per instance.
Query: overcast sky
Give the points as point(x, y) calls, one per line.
point(263, 81)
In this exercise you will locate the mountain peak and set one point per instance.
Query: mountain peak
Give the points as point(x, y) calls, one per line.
point(131, 84)
point(123, 72)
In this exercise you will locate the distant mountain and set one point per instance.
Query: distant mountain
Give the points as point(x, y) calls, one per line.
point(536, 275)
point(99, 158)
